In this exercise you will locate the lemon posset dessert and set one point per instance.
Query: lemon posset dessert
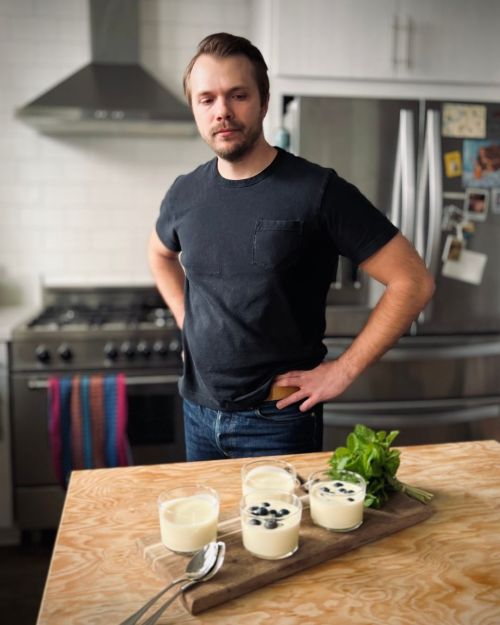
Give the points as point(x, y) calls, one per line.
point(270, 523)
point(268, 475)
point(187, 523)
point(337, 503)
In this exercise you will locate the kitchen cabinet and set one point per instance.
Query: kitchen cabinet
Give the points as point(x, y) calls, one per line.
point(339, 38)
point(451, 40)
point(397, 40)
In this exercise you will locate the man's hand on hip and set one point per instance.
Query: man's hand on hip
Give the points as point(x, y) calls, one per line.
point(324, 382)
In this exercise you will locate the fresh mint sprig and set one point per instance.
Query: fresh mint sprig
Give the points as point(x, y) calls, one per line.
point(369, 453)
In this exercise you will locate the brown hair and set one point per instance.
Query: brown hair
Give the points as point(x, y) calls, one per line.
point(223, 45)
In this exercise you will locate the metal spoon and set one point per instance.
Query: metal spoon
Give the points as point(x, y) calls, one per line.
point(200, 564)
point(218, 563)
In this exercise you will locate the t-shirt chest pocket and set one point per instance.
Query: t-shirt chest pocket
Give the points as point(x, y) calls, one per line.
point(276, 242)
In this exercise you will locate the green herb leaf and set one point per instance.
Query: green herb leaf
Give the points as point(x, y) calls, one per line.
point(369, 453)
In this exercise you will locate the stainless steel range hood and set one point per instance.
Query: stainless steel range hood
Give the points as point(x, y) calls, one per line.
point(113, 94)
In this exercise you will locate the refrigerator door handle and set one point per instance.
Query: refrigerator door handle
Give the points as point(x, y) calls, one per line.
point(403, 353)
point(423, 178)
point(396, 185)
point(403, 190)
point(431, 179)
point(336, 416)
point(435, 192)
point(407, 173)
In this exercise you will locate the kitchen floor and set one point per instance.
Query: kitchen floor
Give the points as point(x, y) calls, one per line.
point(23, 570)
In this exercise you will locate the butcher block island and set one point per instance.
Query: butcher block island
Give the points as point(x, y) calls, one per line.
point(443, 569)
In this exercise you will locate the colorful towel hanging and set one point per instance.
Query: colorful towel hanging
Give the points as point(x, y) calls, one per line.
point(87, 423)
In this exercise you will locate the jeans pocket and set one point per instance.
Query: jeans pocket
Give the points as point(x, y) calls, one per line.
point(290, 413)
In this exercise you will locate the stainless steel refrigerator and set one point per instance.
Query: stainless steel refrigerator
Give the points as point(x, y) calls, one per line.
point(420, 163)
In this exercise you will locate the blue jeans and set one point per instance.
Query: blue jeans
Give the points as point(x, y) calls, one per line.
point(263, 431)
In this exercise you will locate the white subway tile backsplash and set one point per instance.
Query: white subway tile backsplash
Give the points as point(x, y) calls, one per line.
point(61, 8)
point(85, 206)
point(20, 194)
point(16, 8)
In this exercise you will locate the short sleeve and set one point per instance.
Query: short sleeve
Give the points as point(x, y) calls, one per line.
point(166, 222)
point(355, 226)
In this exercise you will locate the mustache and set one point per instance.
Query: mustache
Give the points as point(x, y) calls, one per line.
point(223, 127)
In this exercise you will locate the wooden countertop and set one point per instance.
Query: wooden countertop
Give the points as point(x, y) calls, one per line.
point(443, 571)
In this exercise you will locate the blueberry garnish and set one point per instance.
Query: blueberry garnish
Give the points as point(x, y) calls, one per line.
point(284, 511)
point(254, 522)
point(263, 511)
point(337, 484)
point(254, 509)
point(266, 504)
point(350, 492)
point(342, 490)
point(271, 524)
point(324, 489)
point(273, 511)
point(350, 499)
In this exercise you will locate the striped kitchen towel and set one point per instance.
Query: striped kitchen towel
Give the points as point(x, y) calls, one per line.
point(87, 423)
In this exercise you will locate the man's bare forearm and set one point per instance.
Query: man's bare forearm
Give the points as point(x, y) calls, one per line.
point(409, 287)
point(169, 277)
point(398, 307)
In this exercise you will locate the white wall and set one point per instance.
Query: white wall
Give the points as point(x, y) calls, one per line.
point(82, 208)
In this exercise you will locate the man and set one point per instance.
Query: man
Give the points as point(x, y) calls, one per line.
point(260, 231)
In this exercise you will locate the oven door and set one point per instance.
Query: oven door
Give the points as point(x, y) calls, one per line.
point(155, 431)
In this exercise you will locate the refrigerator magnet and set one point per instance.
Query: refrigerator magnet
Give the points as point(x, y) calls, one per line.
point(463, 120)
point(481, 163)
point(469, 268)
point(453, 164)
point(495, 201)
point(453, 247)
point(476, 203)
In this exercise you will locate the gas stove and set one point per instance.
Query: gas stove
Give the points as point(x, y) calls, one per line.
point(92, 332)
point(105, 328)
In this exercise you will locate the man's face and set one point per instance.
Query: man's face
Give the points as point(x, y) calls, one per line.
point(226, 105)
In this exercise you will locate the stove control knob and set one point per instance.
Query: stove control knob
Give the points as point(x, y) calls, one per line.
point(42, 354)
point(143, 349)
point(110, 351)
point(160, 348)
point(65, 352)
point(127, 349)
point(174, 346)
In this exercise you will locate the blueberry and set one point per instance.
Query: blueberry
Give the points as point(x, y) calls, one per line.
point(342, 490)
point(350, 492)
point(337, 484)
point(254, 522)
point(273, 511)
point(263, 511)
point(254, 509)
point(271, 524)
point(324, 489)
point(284, 511)
point(266, 504)
point(350, 499)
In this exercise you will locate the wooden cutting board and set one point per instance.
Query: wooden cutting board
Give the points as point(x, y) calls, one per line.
point(243, 573)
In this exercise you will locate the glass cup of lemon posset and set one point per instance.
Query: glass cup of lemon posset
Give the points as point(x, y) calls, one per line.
point(336, 499)
point(270, 523)
point(188, 517)
point(268, 475)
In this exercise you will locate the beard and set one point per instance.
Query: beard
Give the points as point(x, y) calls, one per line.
point(235, 149)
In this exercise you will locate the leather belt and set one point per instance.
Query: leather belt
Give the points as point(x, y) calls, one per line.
point(280, 392)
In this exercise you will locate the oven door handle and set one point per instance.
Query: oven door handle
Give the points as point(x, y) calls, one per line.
point(138, 380)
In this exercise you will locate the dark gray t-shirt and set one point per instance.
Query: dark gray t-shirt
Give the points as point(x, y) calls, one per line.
point(259, 255)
